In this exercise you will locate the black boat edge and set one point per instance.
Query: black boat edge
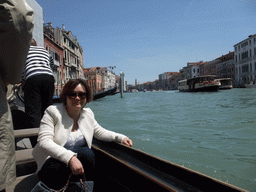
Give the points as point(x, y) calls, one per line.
point(122, 168)
point(136, 170)
point(111, 91)
point(96, 96)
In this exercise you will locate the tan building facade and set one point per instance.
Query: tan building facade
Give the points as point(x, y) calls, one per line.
point(67, 55)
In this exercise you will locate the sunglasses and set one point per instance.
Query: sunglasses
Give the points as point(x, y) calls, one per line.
point(73, 95)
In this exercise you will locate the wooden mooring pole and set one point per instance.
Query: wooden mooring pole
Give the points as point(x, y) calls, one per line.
point(121, 83)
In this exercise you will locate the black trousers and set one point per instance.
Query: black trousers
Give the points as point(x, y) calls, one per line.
point(38, 95)
point(55, 173)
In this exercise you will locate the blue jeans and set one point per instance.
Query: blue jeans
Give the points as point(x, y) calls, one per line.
point(55, 173)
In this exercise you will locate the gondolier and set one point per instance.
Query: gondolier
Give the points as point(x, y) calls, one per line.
point(39, 85)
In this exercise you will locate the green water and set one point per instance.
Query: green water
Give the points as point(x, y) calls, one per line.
point(212, 133)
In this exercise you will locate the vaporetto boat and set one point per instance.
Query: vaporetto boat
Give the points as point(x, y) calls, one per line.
point(199, 84)
point(226, 83)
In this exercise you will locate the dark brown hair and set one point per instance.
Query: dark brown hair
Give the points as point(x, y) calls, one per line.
point(71, 85)
point(33, 42)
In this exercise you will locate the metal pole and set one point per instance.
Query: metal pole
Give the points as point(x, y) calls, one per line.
point(121, 84)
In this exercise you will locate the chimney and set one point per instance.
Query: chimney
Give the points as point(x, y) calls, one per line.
point(63, 27)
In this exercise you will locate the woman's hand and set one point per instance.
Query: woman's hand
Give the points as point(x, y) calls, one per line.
point(127, 141)
point(76, 166)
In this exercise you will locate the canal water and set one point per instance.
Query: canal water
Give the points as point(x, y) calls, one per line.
point(212, 133)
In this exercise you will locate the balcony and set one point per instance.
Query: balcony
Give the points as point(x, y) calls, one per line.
point(73, 65)
point(245, 60)
point(56, 63)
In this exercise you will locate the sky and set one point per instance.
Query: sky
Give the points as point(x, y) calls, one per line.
point(145, 38)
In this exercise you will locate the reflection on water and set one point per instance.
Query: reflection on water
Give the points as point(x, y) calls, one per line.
point(213, 133)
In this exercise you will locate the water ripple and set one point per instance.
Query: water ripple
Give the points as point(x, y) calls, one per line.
point(213, 133)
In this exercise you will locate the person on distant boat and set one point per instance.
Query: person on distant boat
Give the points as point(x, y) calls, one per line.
point(65, 137)
point(16, 26)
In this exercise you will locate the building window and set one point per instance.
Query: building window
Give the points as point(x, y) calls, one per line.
point(245, 55)
point(57, 57)
point(72, 59)
point(245, 68)
point(244, 44)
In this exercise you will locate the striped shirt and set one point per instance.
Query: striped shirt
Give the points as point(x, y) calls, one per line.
point(38, 62)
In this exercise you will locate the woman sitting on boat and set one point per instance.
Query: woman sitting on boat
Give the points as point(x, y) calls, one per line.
point(65, 137)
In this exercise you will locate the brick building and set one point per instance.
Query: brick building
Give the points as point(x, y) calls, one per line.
point(95, 79)
point(56, 52)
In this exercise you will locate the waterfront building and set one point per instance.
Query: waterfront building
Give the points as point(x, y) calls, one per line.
point(209, 67)
point(164, 80)
point(94, 79)
point(245, 61)
point(100, 78)
point(67, 55)
point(174, 79)
point(226, 67)
point(167, 80)
point(140, 87)
point(80, 69)
point(182, 73)
point(72, 55)
point(148, 86)
point(155, 85)
point(193, 69)
point(56, 52)
point(109, 78)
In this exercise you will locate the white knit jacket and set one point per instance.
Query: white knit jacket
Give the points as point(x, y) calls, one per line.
point(55, 128)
